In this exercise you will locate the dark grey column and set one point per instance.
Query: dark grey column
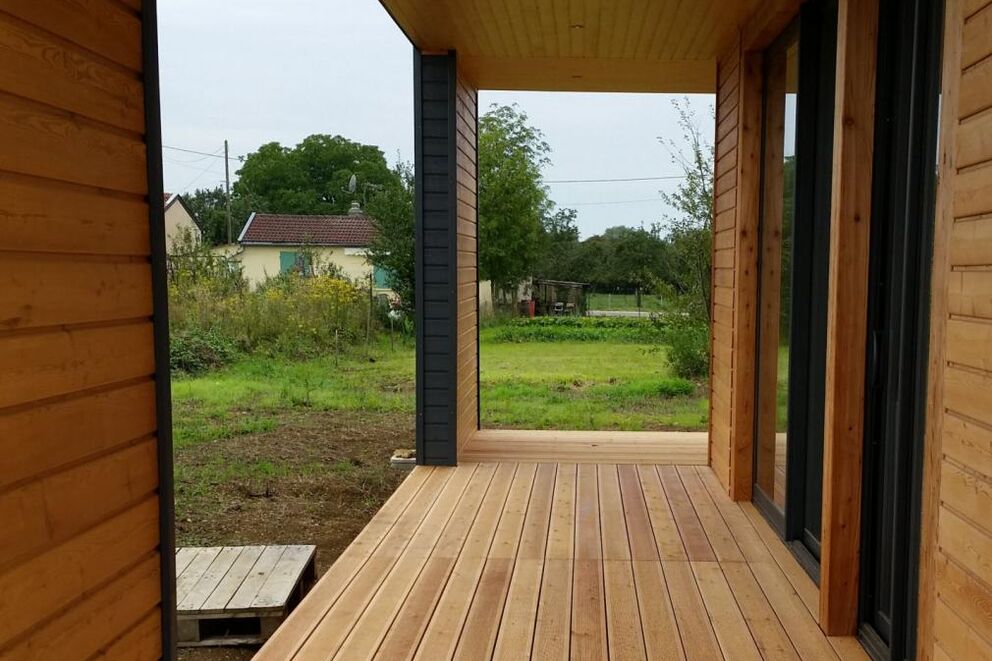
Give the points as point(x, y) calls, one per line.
point(435, 82)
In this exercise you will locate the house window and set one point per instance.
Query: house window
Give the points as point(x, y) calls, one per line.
point(293, 261)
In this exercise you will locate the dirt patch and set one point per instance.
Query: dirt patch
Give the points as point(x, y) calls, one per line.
point(317, 479)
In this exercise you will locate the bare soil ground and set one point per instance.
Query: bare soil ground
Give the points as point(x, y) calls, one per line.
point(317, 479)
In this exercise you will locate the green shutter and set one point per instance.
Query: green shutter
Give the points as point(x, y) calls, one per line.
point(381, 276)
point(287, 261)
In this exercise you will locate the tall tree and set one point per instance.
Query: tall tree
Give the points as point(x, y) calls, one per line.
point(392, 248)
point(690, 231)
point(512, 199)
point(313, 176)
point(559, 242)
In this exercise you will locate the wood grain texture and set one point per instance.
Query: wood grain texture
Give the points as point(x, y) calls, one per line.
point(847, 314)
point(554, 561)
point(467, 363)
point(955, 594)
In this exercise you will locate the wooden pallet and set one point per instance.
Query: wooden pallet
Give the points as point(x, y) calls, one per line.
point(238, 595)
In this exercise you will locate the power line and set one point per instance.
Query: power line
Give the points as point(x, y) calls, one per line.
point(203, 153)
point(610, 181)
point(593, 204)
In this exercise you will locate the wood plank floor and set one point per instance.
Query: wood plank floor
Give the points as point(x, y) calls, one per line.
point(582, 447)
point(516, 560)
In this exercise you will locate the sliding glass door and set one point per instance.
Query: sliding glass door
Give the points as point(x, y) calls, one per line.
point(797, 132)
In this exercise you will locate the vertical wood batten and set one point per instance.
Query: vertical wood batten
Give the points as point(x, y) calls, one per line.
point(746, 280)
point(857, 30)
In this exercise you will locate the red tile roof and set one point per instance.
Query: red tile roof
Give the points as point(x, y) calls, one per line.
point(354, 230)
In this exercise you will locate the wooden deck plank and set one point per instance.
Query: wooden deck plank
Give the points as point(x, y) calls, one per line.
point(441, 636)
point(184, 556)
point(585, 447)
point(623, 621)
point(792, 612)
point(744, 534)
point(516, 631)
point(800, 581)
point(219, 598)
point(559, 561)
point(478, 637)
point(772, 640)
point(209, 579)
point(294, 631)
point(400, 631)
point(666, 533)
point(284, 576)
point(698, 637)
point(199, 564)
point(635, 511)
point(552, 638)
point(694, 538)
point(661, 635)
point(728, 622)
point(717, 533)
point(328, 636)
point(244, 596)
point(588, 598)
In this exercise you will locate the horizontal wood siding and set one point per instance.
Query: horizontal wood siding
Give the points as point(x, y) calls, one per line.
point(80, 567)
point(956, 562)
point(725, 242)
point(467, 358)
point(436, 248)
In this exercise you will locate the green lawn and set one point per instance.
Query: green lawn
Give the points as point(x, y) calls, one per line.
point(584, 385)
point(649, 302)
point(549, 385)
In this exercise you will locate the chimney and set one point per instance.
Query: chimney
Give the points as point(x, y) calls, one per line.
point(356, 209)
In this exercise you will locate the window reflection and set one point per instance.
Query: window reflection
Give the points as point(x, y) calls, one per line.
point(775, 310)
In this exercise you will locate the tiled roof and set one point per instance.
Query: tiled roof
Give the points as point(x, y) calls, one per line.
point(355, 230)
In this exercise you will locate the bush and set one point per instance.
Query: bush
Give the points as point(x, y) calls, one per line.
point(197, 349)
point(578, 329)
point(688, 342)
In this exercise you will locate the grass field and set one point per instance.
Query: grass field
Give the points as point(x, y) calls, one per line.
point(598, 301)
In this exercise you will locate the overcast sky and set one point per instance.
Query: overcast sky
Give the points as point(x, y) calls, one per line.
point(258, 71)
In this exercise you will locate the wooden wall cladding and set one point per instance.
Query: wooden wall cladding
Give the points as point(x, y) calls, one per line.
point(467, 360)
point(956, 558)
point(79, 559)
point(735, 223)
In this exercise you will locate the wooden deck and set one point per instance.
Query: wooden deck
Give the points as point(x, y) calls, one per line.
point(583, 447)
point(515, 560)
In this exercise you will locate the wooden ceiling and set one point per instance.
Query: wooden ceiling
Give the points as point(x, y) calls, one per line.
point(578, 45)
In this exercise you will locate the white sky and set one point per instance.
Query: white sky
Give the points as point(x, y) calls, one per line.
point(258, 71)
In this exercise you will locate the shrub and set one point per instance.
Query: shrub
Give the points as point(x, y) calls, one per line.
point(290, 315)
point(198, 349)
point(688, 342)
point(578, 329)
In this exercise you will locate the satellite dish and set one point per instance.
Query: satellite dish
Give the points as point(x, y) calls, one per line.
point(352, 184)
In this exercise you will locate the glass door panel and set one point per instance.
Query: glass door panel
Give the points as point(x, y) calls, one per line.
point(775, 275)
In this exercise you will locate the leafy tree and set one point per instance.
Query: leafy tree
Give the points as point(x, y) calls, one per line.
point(209, 207)
point(512, 199)
point(690, 232)
point(313, 176)
point(559, 242)
point(393, 246)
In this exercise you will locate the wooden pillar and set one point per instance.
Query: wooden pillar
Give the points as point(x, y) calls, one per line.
point(857, 28)
point(746, 277)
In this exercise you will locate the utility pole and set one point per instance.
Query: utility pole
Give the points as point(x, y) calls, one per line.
point(227, 190)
